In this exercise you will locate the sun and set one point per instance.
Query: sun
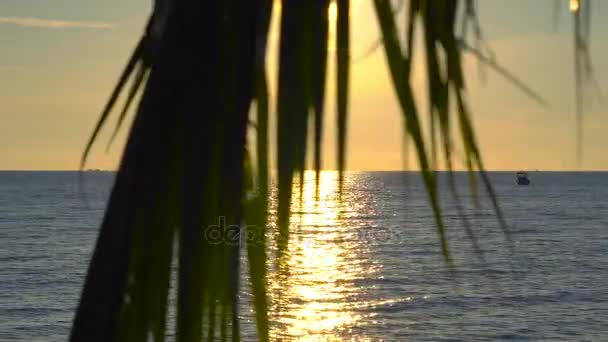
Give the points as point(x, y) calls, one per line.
point(332, 13)
point(574, 5)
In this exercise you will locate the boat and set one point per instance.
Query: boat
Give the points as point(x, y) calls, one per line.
point(522, 178)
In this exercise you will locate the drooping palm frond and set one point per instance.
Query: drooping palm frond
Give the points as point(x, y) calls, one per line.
point(400, 70)
point(187, 139)
point(320, 26)
point(256, 211)
point(446, 81)
point(584, 74)
point(490, 62)
point(185, 170)
point(343, 66)
point(443, 46)
point(583, 69)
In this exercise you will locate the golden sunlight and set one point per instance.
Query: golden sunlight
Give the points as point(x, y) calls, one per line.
point(322, 262)
point(574, 5)
point(332, 13)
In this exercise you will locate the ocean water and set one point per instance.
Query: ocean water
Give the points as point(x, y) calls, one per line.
point(365, 265)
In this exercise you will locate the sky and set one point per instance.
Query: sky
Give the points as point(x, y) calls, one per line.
point(61, 58)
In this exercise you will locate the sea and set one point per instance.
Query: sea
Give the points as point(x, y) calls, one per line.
point(364, 264)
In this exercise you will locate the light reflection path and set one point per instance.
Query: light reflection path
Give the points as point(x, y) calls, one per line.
point(313, 296)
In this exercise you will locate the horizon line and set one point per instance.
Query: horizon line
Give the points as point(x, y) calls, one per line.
point(332, 170)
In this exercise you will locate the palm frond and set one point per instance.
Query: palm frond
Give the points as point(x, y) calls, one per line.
point(399, 70)
point(489, 61)
point(129, 68)
point(583, 70)
point(185, 170)
point(343, 66)
point(320, 27)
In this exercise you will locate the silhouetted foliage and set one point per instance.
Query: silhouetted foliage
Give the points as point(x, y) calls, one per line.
point(201, 67)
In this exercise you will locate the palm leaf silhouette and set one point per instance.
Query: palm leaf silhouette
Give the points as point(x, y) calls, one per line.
point(179, 194)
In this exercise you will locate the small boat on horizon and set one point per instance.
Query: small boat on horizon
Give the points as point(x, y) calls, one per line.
point(522, 178)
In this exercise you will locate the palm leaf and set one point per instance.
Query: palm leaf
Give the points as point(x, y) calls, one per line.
point(131, 64)
point(399, 70)
point(185, 170)
point(319, 66)
point(343, 58)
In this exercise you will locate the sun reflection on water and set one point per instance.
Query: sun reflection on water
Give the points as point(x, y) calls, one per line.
point(313, 292)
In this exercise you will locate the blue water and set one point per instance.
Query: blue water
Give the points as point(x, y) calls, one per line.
point(364, 266)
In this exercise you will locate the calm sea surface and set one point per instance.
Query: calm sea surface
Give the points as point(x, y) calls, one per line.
point(365, 266)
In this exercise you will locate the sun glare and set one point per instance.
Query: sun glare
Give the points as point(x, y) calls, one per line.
point(321, 264)
point(332, 13)
point(574, 5)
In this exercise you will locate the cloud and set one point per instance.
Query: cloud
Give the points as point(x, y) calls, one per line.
point(54, 24)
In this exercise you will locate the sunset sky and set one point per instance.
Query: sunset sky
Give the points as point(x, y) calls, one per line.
point(61, 58)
